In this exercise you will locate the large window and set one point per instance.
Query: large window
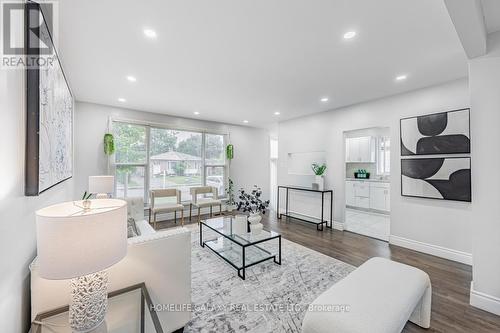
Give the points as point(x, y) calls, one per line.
point(149, 157)
point(130, 159)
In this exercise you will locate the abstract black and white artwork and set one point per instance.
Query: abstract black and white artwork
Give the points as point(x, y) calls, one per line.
point(439, 133)
point(437, 178)
point(49, 137)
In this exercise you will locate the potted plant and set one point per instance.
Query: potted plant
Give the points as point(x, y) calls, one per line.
point(231, 203)
point(251, 202)
point(86, 200)
point(319, 170)
point(109, 146)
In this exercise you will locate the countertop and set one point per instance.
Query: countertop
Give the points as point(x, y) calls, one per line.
point(374, 180)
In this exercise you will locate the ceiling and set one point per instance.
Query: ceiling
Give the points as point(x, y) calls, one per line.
point(235, 60)
point(491, 11)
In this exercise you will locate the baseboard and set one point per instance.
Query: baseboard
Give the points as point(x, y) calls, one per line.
point(484, 301)
point(338, 225)
point(435, 250)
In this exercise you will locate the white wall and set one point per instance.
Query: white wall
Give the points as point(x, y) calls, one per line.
point(484, 73)
point(17, 218)
point(251, 158)
point(441, 224)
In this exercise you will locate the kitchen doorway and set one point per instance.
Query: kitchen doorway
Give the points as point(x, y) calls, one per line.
point(367, 183)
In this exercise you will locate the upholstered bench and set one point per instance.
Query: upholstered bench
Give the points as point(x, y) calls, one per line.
point(380, 296)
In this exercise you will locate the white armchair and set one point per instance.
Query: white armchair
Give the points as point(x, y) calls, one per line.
point(167, 277)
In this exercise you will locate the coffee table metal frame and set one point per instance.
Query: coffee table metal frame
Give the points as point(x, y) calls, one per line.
point(241, 270)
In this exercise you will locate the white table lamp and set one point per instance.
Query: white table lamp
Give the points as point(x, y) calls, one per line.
point(101, 186)
point(78, 244)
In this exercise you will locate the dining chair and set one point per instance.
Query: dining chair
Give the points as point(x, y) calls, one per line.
point(204, 201)
point(158, 204)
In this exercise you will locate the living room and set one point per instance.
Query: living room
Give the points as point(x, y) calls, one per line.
point(189, 166)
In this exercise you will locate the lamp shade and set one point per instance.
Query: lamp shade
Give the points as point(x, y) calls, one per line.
point(73, 242)
point(101, 184)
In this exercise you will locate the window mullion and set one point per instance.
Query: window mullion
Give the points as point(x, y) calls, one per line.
point(147, 166)
point(203, 161)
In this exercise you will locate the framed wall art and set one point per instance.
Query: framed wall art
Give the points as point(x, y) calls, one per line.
point(49, 128)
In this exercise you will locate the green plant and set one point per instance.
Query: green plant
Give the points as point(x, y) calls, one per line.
point(230, 152)
point(230, 193)
point(318, 170)
point(109, 144)
point(86, 196)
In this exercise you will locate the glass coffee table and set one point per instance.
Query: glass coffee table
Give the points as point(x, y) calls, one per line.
point(239, 250)
point(129, 310)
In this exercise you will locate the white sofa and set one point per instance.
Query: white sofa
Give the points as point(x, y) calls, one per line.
point(380, 296)
point(160, 259)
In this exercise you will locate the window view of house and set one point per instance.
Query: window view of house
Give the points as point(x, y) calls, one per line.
point(177, 159)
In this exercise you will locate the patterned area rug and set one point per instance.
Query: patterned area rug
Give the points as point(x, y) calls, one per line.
point(273, 298)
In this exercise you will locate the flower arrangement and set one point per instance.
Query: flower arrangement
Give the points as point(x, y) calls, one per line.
point(251, 202)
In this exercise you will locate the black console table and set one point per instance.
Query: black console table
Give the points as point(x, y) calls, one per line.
point(309, 219)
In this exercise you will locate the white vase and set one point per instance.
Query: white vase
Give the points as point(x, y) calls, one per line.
point(254, 218)
point(256, 228)
point(321, 182)
point(240, 225)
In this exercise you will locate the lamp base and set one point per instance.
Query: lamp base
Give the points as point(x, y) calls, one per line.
point(89, 301)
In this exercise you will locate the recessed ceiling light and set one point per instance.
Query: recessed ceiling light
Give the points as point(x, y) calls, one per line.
point(350, 34)
point(401, 77)
point(277, 113)
point(150, 33)
point(324, 99)
point(131, 78)
point(122, 100)
point(196, 113)
point(245, 121)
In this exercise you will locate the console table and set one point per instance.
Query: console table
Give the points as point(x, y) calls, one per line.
point(319, 222)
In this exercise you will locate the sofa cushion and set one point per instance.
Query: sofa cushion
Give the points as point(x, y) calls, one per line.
point(144, 228)
point(132, 230)
point(135, 208)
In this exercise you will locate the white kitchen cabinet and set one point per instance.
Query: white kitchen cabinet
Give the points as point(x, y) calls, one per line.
point(362, 189)
point(368, 195)
point(360, 150)
point(362, 202)
point(349, 193)
point(380, 196)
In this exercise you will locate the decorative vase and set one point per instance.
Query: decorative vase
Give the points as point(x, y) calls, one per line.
point(86, 204)
point(320, 181)
point(255, 229)
point(254, 218)
point(240, 224)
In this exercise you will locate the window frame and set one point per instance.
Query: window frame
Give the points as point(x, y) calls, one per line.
point(381, 157)
point(147, 165)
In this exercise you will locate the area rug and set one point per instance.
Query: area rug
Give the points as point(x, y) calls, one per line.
point(273, 298)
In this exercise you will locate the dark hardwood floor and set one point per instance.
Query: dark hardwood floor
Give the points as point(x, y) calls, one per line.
point(451, 311)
